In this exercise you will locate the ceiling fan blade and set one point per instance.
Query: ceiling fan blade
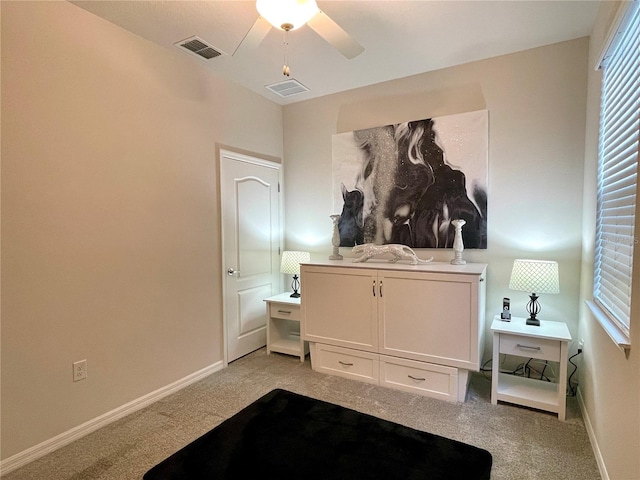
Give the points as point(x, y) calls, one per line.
point(333, 33)
point(254, 36)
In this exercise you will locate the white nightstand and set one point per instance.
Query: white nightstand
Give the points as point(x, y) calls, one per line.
point(283, 326)
point(549, 341)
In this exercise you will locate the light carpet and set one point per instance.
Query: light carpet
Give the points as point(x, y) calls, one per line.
point(525, 444)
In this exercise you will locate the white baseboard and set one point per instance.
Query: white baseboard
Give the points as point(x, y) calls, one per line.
point(592, 437)
point(33, 453)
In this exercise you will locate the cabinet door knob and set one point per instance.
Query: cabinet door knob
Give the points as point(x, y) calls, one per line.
point(380, 288)
point(373, 288)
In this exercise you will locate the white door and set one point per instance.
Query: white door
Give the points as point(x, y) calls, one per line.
point(250, 248)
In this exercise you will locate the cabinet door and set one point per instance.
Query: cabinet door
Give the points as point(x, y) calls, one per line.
point(430, 317)
point(339, 306)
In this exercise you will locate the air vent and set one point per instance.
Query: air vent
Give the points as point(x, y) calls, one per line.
point(287, 88)
point(199, 47)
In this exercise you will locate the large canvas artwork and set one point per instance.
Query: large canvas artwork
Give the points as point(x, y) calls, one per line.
point(405, 183)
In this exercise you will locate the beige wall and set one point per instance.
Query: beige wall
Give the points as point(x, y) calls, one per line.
point(110, 219)
point(536, 101)
point(110, 243)
point(609, 382)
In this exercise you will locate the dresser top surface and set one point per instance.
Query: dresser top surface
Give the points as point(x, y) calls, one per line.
point(284, 298)
point(518, 326)
point(382, 264)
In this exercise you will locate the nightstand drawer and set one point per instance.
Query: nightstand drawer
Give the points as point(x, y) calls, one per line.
point(423, 378)
point(288, 312)
point(344, 362)
point(531, 347)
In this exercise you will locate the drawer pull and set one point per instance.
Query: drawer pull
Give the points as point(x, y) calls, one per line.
point(373, 287)
point(528, 347)
point(288, 312)
point(345, 364)
point(418, 379)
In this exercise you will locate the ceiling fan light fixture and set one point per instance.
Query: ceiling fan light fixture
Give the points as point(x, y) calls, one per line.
point(287, 14)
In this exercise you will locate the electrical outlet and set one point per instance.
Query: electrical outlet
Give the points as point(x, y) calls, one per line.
point(581, 344)
point(79, 370)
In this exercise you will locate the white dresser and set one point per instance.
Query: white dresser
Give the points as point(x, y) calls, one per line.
point(417, 328)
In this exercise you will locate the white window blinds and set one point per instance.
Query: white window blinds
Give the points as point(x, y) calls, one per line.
point(617, 171)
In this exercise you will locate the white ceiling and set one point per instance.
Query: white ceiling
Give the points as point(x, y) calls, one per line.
point(400, 38)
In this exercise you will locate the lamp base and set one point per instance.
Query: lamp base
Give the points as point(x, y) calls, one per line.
point(295, 285)
point(533, 321)
point(533, 307)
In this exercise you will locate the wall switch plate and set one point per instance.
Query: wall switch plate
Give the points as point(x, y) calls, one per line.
point(79, 370)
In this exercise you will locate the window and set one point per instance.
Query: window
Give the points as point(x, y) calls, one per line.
point(617, 173)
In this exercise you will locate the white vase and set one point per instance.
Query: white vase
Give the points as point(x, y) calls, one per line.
point(335, 240)
point(458, 245)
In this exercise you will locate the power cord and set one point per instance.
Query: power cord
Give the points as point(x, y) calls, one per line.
point(525, 369)
point(572, 391)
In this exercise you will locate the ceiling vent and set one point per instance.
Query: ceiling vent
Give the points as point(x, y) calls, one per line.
point(197, 46)
point(287, 88)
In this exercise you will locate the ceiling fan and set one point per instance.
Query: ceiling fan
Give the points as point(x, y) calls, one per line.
point(287, 15)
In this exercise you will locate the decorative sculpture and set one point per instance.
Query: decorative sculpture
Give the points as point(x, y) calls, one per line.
point(335, 240)
point(399, 252)
point(458, 245)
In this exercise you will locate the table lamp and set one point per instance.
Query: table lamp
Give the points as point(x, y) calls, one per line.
point(539, 276)
point(291, 265)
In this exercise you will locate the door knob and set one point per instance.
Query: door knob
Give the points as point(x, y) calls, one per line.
point(231, 271)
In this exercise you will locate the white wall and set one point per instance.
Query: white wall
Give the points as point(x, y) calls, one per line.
point(609, 382)
point(536, 101)
point(110, 217)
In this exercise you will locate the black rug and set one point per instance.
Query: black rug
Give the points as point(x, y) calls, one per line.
point(290, 436)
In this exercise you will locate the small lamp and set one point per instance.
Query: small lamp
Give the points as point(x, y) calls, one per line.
point(539, 276)
point(291, 265)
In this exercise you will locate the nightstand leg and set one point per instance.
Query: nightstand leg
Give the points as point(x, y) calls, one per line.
point(495, 368)
point(268, 331)
point(562, 382)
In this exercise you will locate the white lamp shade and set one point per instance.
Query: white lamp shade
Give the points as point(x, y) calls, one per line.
point(535, 276)
point(291, 261)
point(292, 12)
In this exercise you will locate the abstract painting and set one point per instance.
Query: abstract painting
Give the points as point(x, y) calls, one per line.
point(405, 183)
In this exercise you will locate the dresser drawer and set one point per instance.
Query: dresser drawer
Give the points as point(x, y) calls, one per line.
point(422, 378)
point(345, 362)
point(281, 310)
point(540, 348)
